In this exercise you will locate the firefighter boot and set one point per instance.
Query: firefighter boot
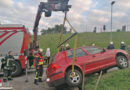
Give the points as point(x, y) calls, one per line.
point(35, 82)
point(4, 80)
point(40, 80)
point(10, 78)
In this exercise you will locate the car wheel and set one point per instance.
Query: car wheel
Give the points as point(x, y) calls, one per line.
point(122, 62)
point(76, 80)
point(17, 69)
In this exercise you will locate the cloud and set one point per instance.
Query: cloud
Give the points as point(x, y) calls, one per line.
point(100, 12)
point(82, 15)
point(6, 3)
point(119, 14)
point(123, 5)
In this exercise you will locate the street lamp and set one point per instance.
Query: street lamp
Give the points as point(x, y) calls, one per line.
point(112, 3)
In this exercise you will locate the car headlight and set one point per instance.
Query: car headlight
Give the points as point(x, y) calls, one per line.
point(48, 79)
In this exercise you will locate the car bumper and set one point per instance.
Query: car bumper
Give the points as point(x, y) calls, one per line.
point(56, 83)
point(56, 79)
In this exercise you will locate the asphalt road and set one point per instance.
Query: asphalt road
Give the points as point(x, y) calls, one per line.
point(18, 83)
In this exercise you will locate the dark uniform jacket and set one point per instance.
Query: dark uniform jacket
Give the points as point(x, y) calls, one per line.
point(122, 47)
point(111, 47)
point(8, 62)
point(68, 48)
point(62, 49)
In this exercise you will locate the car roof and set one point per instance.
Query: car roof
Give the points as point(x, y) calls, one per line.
point(80, 48)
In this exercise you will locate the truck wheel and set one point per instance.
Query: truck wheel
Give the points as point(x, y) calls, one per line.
point(76, 80)
point(17, 69)
point(122, 62)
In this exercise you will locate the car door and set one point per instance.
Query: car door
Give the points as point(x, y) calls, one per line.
point(98, 59)
point(81, 57)
point(108, 59)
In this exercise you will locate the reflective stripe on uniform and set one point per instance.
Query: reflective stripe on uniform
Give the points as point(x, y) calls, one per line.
point(40, 63)
point(7, 62)
point(36, 76)
point(40, 77)
point(9, 77)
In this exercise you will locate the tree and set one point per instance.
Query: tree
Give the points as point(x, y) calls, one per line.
point(55, 29)
point(118, 30)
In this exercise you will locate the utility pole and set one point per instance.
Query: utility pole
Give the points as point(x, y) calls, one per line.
point(112, 3)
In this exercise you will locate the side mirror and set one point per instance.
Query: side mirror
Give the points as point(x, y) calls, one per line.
point(104, 50)
point(26, 52)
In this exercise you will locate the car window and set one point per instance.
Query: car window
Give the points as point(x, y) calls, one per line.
point(53, 58)
point(79, 53)
point(93, 50)
point(70, 54)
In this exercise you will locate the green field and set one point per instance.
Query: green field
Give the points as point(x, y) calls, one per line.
point(116, 80)
point(85, 39)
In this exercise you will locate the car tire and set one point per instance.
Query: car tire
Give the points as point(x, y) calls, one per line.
point(76, 81)
point(17, 69)
point(122, 62)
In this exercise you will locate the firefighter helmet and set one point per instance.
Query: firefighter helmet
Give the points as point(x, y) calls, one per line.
point(40, 50)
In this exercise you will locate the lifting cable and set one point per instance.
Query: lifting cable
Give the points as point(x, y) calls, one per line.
point(74, 49)
point(62, 31)
point(75, 41)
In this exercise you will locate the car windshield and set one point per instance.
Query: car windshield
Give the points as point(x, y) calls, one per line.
point(79, 53)
point(53, 59)
point(93, 50)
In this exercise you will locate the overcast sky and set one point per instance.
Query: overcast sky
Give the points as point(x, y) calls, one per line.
point(84, 15)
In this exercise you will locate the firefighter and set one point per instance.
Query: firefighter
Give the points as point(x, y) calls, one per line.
point(122, 46)
point(30, 58)
point(62, 48)
point(8, 66)
point(93, 44)
point(111, 46)
point(39, 66)
point(67, 47)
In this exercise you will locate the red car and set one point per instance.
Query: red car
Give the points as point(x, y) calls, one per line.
point(59, 72)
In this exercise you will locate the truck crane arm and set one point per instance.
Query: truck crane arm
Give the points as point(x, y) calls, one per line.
point(47, 8)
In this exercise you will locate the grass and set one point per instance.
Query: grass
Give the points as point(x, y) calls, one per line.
point(116, 80)
point(84, 39)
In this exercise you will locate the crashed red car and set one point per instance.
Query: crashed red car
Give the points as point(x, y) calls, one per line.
point(95, 59)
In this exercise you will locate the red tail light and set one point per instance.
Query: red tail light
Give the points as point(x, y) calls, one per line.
point(55, 66)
